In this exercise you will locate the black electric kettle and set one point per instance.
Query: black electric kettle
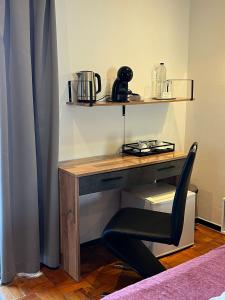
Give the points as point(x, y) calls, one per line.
point(86, 86)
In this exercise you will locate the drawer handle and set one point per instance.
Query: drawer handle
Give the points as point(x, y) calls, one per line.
point(166, 168)
point(111, 179)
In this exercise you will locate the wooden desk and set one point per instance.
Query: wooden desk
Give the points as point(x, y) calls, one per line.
point(102, 173)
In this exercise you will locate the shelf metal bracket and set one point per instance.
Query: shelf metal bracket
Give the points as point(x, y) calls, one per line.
point(191, 88)
point(123, 110)
point(70, 98)
point(124, 123)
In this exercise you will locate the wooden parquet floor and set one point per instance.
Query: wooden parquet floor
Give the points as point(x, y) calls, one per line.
point(98, 273)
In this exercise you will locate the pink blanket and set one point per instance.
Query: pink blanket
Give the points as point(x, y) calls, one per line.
point(198, 279)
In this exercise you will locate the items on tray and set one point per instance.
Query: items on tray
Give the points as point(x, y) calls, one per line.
point(143, 148)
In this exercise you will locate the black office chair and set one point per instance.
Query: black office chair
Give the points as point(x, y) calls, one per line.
point(125, 231)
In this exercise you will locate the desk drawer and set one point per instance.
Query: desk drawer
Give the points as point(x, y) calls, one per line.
point(169, 169)
point(130, 177)
point(108, 181)
point(150, 173)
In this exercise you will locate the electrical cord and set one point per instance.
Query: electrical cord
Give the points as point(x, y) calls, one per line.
point(106, 96)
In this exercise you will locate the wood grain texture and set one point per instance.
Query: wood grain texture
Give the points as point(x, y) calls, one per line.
point(98, 273)
point(110, 163)
point(133, 102)
point(69, 224)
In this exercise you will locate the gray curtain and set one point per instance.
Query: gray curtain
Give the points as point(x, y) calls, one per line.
point(29, 225)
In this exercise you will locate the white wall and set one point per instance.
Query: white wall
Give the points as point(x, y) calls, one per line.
point(206, 117)
point(104, 35)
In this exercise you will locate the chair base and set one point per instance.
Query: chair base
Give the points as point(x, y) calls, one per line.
point(123, 266)
point(134, 253)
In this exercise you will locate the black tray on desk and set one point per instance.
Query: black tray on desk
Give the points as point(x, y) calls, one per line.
point(152, 147)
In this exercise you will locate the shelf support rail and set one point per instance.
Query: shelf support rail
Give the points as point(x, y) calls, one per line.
point(192, 85)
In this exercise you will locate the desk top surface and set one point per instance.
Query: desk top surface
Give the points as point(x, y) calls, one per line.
point(103, 164)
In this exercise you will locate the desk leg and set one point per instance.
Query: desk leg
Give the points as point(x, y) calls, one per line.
point(69, 224)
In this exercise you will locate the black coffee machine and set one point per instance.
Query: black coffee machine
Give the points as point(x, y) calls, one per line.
point(120, 86)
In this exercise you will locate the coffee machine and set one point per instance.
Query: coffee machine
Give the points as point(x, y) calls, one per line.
point(120, 86)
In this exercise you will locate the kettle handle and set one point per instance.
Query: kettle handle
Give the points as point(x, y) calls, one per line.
point(99, 83)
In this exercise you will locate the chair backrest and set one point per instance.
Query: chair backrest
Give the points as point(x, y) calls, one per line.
point(179, 203)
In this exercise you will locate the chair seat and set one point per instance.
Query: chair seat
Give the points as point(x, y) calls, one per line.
point(142, 224)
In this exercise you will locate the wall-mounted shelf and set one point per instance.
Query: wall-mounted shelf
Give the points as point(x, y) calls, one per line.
point(136, 102)
point(72, 87)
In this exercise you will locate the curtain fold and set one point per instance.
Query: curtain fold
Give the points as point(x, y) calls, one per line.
point(7, 262)
point(29, 226)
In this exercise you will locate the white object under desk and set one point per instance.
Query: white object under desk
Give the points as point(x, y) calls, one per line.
point(159, 197)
